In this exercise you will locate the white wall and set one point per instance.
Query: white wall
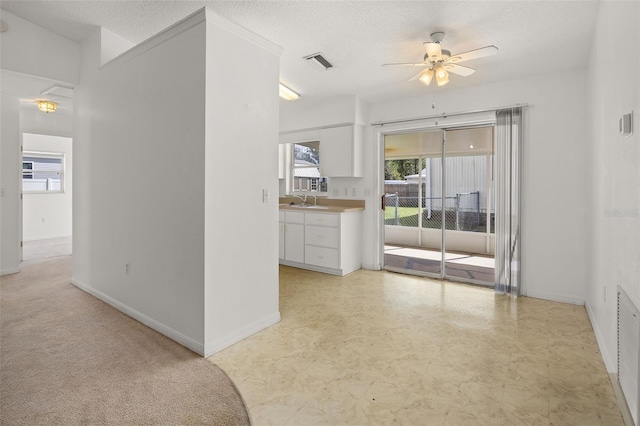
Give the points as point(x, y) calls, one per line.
point(32, 120)
point(26, 46)
point(241, 229)
point(23, 49)
point(158, 132)
point(555, 190)
point(614, 165)
point(554, 217)
point(139, 181)
point(9, 185)
point(48, 215)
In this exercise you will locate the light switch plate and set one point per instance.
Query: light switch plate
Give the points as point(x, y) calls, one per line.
point(626, 124)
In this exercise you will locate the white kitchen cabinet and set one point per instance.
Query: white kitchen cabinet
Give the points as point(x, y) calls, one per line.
point(331, 242)
point(341, 151)
point(294, 236)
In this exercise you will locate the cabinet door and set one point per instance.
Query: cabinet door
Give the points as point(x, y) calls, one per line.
point(281, 241)
point(341, 151)
point(294, 242)
point(336, 153)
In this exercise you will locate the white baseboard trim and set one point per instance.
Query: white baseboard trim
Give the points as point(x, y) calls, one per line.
point(371, 266)
point(555, 297)
point(149, 322)
point(9, 271)
point(217, 345)
point(611, 364)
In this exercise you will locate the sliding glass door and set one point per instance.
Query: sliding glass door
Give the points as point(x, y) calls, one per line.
point(413, 212)
point(439, 211)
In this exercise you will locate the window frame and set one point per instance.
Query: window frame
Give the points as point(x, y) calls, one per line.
point(315, 184)
point(33, 171)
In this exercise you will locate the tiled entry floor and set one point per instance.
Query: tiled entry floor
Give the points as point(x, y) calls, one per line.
point(375, 347)
point(41, 249)
point(461, 265)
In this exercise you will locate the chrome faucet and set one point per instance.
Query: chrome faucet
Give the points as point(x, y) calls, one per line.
point(304, 199)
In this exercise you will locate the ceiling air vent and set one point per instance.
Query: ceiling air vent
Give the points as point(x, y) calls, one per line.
point(319, 60)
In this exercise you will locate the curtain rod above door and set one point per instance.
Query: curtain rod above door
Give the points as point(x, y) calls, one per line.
point(451, 114)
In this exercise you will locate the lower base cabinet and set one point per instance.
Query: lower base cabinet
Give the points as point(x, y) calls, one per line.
point(323, 242)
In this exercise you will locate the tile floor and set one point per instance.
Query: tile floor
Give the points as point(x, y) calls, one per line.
point(376, 347)
point(41, 249)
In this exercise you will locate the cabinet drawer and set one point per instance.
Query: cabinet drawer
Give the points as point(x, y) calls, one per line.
point(322, 236)
point(294, 217)
point(323, 219)
point(321, 256)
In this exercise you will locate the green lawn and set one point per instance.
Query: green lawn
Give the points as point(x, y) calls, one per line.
point(408, 216)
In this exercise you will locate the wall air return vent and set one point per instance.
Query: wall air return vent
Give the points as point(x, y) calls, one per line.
point(629, 352)
point(319, 60)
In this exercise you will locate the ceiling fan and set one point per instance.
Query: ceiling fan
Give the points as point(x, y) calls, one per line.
point(440, 62)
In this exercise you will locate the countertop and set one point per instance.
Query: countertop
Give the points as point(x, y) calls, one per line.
point(324, 205)
point(320, 208)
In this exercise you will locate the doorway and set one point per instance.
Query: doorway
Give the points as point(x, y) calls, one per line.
point(46, 203)
point(439, 205)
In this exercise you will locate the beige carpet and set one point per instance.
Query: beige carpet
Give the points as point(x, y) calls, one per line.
point(68, 358)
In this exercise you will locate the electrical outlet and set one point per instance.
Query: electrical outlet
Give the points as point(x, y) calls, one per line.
point(346, 192)
point(336, 191)
point(354, 192)
point(127, 268)
point(265, 195)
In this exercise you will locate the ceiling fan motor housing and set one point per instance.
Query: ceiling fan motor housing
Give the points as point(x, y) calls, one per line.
point(437, 37)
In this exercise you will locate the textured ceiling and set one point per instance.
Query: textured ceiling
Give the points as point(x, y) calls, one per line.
point(533, 37)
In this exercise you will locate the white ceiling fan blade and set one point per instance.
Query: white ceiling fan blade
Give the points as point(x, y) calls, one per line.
point(417, 76)
point(473, 54)
point(459, 69)
point(433, 49)
point(406, 64)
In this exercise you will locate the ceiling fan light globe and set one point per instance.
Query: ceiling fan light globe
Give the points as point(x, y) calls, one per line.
point(442, 76)
point(426, 77)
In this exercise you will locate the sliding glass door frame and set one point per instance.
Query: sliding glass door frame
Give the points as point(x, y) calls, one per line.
point(443, 231)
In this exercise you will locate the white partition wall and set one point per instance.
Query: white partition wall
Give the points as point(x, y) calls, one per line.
point(159, 130)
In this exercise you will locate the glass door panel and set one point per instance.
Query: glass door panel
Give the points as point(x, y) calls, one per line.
point(413, 231)
point(468, 187)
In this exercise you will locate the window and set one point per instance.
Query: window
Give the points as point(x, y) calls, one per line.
point(305, 168)
point(42, 172)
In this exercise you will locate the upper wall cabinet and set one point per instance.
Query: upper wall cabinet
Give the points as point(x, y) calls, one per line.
point(341, 151)
point(340, 148)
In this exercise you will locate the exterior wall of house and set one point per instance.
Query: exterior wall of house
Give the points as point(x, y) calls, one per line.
point(614, 173)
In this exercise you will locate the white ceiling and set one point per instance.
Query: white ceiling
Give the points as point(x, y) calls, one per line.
point(533, 37)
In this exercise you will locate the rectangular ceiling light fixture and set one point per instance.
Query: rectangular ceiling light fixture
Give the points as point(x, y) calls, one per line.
point(319, 60)
point(288, 94)
point(65, 92)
